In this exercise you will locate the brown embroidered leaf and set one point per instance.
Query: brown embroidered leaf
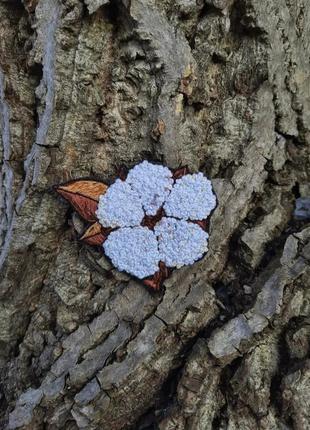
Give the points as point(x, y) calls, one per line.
point(122, 172)
point(165, 272)
point(153, 282)
point(203, 224)
point(156, 281)
point(94, 235)
point(178, 173)
point(83, 195)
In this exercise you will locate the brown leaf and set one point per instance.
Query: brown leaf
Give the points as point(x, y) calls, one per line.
point(122, 172)
point(202, 223)
point(85, 187)
point(153, 282)
point(178, 173)
point(165, 272)
point(156, 281)
point(94, 235)
point(83, 195)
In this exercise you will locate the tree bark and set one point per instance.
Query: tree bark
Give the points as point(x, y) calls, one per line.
point(222, 86)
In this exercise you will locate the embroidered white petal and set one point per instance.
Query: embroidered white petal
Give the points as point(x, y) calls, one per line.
point(133, 250)
point(191, 198)
point(152, 182)
point(180, 242)
point(120, 206)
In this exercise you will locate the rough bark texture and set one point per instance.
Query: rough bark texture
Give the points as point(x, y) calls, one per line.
point(222, 86)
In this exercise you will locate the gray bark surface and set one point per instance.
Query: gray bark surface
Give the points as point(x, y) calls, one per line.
point(222, 86)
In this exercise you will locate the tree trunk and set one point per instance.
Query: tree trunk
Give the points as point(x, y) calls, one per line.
point(222, 86)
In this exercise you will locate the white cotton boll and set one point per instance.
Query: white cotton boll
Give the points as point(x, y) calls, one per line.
point(153, 183)
point(133, 250)
point(191, 198)
point(120, 206)
point(180, 242)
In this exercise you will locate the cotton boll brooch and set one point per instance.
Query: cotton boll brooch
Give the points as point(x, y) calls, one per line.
point(150, 221)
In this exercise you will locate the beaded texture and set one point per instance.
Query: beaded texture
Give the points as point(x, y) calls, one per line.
point(133, 250)
point(152, 183)
point(191, 198)
point(180, 242)
point(176, 241)
point(120, 206)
